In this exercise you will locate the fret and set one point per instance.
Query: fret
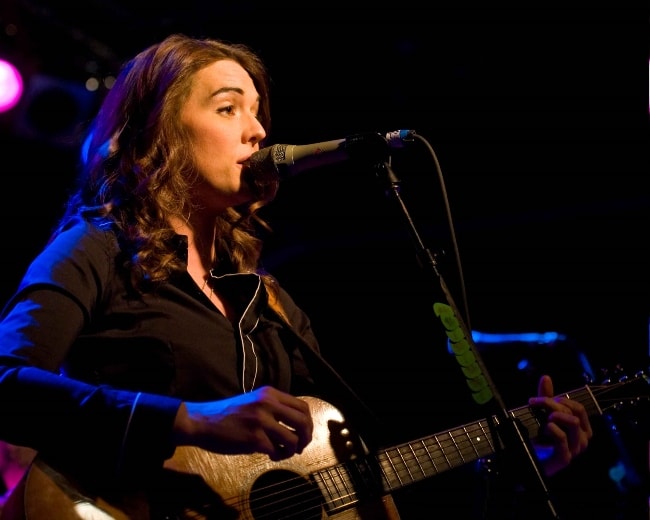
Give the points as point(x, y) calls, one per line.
point(444, 463)
point(336, 486)
point(389, 469)
point(344, 481)
point(586, 397)
point(430, 456)
point(436, 454)
point(528, 419)
point(454, 443)
point(426, 462)
point(402, 463)
point(481, 439)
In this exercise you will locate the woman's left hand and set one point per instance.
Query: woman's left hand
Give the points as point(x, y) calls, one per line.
point(567, 431)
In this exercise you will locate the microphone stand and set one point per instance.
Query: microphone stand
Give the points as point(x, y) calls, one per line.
point(511, 430)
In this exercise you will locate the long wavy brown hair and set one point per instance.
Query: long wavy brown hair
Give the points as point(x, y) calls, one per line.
point(138, 165)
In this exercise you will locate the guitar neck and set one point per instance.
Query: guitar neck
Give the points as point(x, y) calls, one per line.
point(414, 461)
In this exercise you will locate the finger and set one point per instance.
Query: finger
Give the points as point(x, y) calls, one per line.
point(567, 422)
point(280, 452)
point(285, 440)
point(283, 447)
point(560, 442)
point(579, 411)
point(545, 386)
point(289, 423)
point(573, 437)
point(554, 404)
point(299, 422)
point(577, 436)
point(272, 394)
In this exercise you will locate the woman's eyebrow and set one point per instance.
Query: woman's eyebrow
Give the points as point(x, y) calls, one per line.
point(223, 90)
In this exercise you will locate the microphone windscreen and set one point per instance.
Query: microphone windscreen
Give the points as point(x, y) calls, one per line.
point(261, 174)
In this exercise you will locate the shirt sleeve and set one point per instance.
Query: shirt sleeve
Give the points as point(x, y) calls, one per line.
point(72, 423)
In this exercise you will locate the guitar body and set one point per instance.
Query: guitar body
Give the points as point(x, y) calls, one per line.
point(204, 485)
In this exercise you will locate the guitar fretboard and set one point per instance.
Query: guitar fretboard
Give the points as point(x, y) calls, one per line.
point(346, 484)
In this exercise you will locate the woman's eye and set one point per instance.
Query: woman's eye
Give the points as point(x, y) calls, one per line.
point(226, 110)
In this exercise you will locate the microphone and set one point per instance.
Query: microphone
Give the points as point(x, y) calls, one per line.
point(286, 160)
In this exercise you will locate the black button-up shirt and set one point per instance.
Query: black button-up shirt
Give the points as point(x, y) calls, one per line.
point(94, 374)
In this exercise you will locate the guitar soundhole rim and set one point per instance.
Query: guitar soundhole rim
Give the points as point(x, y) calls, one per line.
point(285, 495)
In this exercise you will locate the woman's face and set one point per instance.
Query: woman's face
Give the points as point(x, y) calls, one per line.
point(220, 115)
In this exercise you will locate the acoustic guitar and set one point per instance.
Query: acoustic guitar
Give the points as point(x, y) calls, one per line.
point(334, 478)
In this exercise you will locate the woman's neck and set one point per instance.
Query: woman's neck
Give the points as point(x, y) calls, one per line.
point(201, 259)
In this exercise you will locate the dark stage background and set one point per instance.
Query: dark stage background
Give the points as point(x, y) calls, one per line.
point(538, 118)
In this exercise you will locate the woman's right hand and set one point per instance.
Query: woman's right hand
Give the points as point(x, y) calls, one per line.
point(265, 420)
